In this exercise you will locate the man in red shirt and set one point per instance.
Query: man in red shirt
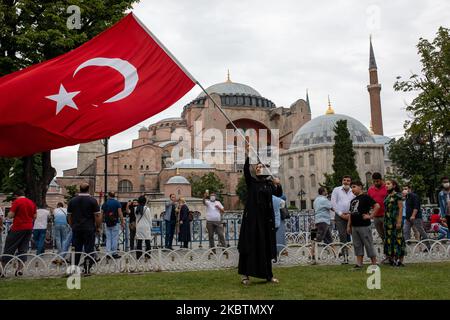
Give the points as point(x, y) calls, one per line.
point(23, 211)
point(378, 192)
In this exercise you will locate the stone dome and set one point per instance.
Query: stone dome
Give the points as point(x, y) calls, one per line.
point(320, 130)
point(177, 180)
point(230, 88)
point(191, 164)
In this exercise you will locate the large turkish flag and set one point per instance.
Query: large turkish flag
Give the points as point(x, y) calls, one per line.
point(112, 82)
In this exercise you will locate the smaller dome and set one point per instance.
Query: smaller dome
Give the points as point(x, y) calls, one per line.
point(143, 129)
point(178, 180)
point(191, 164)
point(54, 183)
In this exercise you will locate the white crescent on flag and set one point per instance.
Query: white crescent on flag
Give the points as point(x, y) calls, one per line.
point(125, 68)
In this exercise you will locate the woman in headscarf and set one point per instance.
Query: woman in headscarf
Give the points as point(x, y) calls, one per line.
point(257, 240)
point(184, 223)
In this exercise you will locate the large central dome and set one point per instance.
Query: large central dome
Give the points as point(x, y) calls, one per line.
point(320, 130)
point(230, 88)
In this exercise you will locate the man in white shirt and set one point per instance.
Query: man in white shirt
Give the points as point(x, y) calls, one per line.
point(40, 229)
point(340, 200)
point(214, 211)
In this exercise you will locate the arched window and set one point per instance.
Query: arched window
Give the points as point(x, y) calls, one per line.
point(290, 163)
point(125, 167)
point(313, 180)
point(311, 160)
point(125, 186)
point(367, 158)
point(301, 162)
point(142, 167)
point(302, 182)
point(291, 182)
point(146, 167)
point(368, 178)
point(131, 167)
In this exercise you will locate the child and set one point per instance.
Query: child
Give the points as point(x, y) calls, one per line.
point(438, 225)
point(359, 224)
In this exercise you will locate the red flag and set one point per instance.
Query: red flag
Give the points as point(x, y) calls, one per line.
point(112, 82)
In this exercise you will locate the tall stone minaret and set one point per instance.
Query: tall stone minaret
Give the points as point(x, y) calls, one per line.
point(374, 89)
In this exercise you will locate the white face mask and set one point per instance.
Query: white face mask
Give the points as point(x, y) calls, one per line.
point(446, 185)
point(282, 204)
point(212, 198)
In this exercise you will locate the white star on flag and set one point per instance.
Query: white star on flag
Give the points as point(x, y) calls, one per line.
point(64, 98)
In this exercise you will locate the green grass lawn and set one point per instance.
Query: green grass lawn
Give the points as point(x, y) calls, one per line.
point(416, 281)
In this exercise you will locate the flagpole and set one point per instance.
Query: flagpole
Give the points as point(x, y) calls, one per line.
point(106, 169)
point(236, 128)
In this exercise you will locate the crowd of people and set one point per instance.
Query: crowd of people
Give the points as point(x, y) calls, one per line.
point(392, 210)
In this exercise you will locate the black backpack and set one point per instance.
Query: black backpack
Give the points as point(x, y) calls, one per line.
point(111, 216)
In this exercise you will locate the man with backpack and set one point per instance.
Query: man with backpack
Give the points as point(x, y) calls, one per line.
point(112, 212)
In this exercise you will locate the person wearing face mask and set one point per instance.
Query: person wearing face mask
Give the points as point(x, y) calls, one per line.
point(257, 238)
point(414, 216)
point(394, 242)
point(214, 212)
point(444, 199)
point(340, 201)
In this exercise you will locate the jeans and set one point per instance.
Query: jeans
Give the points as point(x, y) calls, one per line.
point(443, 233)
point(1, 240)
point(61, 234)
point(215, 227)
point(112, 239)
point(39, 240)
point(418, 224)
point(170, 231)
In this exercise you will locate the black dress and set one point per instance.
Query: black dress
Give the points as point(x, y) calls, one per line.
point(185, 228)
point(257, 240)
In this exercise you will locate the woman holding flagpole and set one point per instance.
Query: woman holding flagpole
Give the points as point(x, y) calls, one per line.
point(257, 239)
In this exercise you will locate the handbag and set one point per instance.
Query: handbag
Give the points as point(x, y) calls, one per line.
point(284, 212)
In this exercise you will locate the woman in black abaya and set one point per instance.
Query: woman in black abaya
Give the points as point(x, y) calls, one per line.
point(257, 240)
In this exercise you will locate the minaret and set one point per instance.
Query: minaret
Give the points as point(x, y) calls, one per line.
point(330, 108)
point(307, 102)
point(374, 89)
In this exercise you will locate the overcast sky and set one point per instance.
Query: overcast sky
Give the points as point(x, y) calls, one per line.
point(281, 48)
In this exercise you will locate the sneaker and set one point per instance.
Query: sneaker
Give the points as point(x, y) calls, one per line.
point(356, 267)
point(116, 256)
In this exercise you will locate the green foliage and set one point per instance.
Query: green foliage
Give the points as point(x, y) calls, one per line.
point(421, 155)
point(72, 191)
point(241, 190)
point(343, 157)
point(431, 107)
point(414, 163)
point(209, 181)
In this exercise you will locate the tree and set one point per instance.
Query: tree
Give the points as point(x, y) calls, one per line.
point(414, 163)
point(241, 190)
point(35, 31)
point(72, 191)
point(431, 107)
point(343, 157)
point(209, 181)
point(422, 154)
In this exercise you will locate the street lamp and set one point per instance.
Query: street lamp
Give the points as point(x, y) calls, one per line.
point(301, 193)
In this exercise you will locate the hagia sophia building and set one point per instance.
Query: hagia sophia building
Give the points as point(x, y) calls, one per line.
point(305, 147)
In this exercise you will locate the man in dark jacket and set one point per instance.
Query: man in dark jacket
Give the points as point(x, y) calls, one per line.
point(413, 216)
